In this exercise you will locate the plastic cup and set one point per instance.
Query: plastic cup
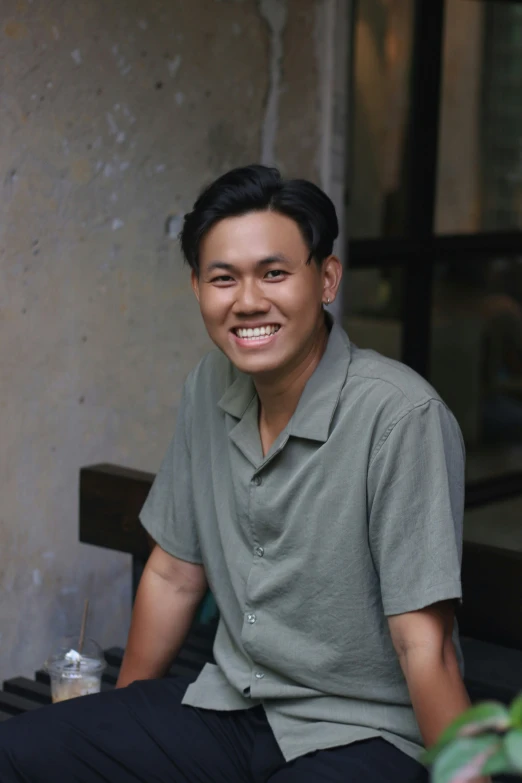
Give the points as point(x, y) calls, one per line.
point(72, 674)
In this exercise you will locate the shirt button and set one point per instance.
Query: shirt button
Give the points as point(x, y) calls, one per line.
point(259, 551)
point(251, 618)
point(257, 480)
point(259, 675)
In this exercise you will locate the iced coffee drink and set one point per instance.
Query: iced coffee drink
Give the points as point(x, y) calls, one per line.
point(73, 673)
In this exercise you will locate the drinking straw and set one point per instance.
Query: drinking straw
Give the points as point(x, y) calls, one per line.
point(84, 623)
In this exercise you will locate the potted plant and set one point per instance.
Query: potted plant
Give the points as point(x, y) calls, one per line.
point(484, 740)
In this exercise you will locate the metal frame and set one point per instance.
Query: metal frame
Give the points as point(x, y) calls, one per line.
point(462, 248)
point(418, 252)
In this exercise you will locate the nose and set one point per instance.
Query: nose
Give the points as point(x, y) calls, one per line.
point(250, 299)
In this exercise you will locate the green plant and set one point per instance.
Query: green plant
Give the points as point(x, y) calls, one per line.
point(484, 740)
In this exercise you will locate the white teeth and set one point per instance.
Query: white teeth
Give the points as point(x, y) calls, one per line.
point(257, 332)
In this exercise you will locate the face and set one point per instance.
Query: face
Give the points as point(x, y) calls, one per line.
point(262, 304)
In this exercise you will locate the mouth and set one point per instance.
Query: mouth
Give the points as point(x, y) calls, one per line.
point(256, 335)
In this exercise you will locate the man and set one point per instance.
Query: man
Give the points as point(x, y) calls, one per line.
point(318, 490)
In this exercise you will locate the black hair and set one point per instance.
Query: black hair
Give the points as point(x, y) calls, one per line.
point(258, 188)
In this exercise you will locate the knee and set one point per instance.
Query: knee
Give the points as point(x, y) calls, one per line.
point(11, 741)
point(22, 747)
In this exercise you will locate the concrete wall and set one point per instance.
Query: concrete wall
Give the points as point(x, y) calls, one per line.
point(113, 114)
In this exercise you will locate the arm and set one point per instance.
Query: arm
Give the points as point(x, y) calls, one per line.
point(423, 643)
point(169, 593)
point(424, 646)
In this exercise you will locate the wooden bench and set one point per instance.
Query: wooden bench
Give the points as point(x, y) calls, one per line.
point(111, 498)
point(110, 501)
point(492, 672)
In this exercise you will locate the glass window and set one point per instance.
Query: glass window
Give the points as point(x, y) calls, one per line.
point(383, 35)
point(479, 182)
point(476, 359)
point(373, 314)
point(498, 524)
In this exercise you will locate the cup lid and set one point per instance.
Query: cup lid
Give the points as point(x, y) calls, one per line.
point(65, 656)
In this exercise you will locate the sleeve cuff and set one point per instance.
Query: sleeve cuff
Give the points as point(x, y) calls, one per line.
point(167, 545)
point(423, 598)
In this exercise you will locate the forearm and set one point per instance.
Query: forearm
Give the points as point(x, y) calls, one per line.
point(162, 616)
point(437, 692)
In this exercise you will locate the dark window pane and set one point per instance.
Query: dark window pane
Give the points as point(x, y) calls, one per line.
point(373, 317)
point(476, 359)
point(498, 524)
point(381, 77)
point(479, 185)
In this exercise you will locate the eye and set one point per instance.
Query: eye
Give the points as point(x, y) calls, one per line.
point(222, 279)
point(275, 274)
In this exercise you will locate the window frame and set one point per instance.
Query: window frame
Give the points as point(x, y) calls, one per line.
point(421, 248)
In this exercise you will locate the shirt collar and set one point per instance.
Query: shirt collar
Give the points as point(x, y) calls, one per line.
point(315, 410)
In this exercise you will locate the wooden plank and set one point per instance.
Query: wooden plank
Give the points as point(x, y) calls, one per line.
point(14, 705)
point(491, 671)
point(201, 643)
point(197, 658)
point(110, 675)
point(42, 676)
point(192, 660)
point(206, 631)
point(492, 595)
point(178, 670)
point(114, 656)
point(111, 499)
point(29, 689)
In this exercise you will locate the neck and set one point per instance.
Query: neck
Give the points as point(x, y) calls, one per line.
point(279, 396)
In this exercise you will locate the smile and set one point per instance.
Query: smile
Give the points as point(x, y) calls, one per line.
point(256, 333)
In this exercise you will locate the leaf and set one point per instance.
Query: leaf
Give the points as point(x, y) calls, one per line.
point(465, 759)
point(476, 720)
point(515, 713)
point(513, 748)
point(498, 763)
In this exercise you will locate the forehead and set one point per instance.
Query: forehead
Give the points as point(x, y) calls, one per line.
point(251, 237)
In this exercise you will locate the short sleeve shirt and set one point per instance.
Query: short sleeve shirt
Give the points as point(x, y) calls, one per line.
point(355, 514)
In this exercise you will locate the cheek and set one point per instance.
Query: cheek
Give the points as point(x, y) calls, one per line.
point(304, 298)
point(213, 308)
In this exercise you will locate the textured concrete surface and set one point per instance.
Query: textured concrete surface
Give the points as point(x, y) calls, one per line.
point(113, 115)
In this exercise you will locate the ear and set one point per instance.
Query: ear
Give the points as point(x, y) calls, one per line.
point(194, 279)
point(332, 272)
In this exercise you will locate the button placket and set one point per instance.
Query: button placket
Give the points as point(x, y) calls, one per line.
point(257, 549)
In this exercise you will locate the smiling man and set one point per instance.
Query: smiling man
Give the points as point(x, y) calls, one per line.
point(318, 490)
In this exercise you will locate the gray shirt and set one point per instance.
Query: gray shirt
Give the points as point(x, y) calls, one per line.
point(355, 514)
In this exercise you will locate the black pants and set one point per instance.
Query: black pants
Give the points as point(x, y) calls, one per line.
point(143, 734)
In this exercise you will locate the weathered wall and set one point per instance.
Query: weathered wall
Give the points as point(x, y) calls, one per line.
point(113, 114)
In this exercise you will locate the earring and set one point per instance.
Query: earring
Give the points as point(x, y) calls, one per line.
point(328, 300)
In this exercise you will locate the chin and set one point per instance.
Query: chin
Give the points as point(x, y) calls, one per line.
point(268, 361)
point(258, 366)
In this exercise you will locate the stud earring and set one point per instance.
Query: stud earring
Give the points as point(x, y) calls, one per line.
point(328, 300)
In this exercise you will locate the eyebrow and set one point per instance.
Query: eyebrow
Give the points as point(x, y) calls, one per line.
point(277, 258)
